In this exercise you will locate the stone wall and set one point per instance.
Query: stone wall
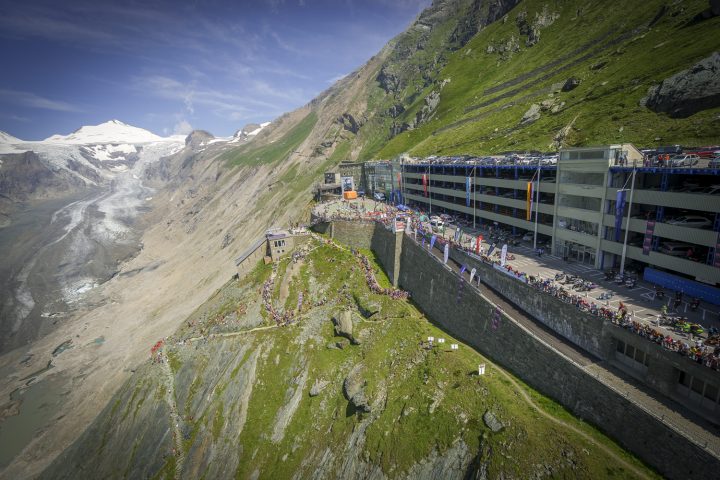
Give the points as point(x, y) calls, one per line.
point(596, 335)
point(434, 289)
point(583, 330)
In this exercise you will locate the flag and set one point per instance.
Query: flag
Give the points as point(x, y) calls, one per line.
point(462, 270)
point(472, 274)
point(503, 255)
point(619, 208)
point(425, 183)
point(446, 254)
point(467, 191)
point(529, 203)
point(478, 241)
point(490, 249)
point(432, 241)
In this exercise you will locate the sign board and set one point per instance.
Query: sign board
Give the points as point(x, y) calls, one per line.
point(348, 184)
point(481, 369)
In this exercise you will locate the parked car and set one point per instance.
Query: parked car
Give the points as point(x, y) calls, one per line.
point(695, 221)
point(361, 193)
point(675, 249)
point(714, 161)
point(379, 196)
point(528, 237)
point(686, 160)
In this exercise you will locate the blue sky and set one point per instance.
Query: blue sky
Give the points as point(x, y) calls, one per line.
point(170, 66)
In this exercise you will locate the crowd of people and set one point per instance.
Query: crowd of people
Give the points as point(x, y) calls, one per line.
point(372, 282)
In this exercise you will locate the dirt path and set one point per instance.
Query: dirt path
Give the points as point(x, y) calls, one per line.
point(230, 334)
point(621, 461)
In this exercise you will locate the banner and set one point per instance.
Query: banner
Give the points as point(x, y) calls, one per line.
point(472, 274)
point(647, 241)
point(529, 202)
point(478, 242)
point(467, 191)
point(619, 207)
point(425, 183)
point(490, 249)
point(432, 241)
point(446, 254)
point(503, 255)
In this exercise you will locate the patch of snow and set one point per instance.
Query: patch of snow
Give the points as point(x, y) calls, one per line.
point(113, 131)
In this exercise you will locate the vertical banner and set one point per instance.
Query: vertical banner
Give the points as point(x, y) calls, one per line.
point(619, 207)
point(647, 241)
point(716, 261)
point(490, 249)
point(503, 255)
point(497, 314)
point(478, 242)
point(467, 191)
point(432, 241)
point(472, 274)
point(529, 201)
point(425, 184)
point(446, 254)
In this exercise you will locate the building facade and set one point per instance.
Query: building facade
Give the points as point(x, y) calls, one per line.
point(581, 207)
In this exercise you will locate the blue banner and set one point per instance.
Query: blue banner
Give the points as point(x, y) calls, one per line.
point(619, 208)
point(689, 287)
point(647, 241)
point(432, 241)
point(467, 191)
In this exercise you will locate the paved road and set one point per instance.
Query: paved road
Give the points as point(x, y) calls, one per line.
point(669, 411)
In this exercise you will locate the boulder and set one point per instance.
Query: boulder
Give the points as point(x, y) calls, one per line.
point(531, 115)
point(354, 389)
point(318, 387)
point(344, 326)
point(492, 422)
point(570, 84)
point(687, 92)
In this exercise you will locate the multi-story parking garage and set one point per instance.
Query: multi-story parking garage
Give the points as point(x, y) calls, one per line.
point(674, 212)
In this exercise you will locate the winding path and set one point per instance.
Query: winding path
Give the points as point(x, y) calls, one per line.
point(620, 461)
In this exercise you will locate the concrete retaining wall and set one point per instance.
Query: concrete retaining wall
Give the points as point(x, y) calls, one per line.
point(434, 289)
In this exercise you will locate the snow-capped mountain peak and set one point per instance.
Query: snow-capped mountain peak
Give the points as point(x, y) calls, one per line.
point(7, 138)
point(113, 131)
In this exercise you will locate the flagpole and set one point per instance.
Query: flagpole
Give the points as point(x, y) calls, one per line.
point(627, 225)
point(537, 202)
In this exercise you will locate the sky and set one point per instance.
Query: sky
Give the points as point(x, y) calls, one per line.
point(173, 66)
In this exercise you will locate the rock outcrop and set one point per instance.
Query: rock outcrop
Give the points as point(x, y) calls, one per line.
point(197, 138)
point(689, 91)
point(354, 390)
point(344, 326)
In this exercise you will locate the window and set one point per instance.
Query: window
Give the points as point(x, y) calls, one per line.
point(697, 385)
point(684, 379)
point(711, 392)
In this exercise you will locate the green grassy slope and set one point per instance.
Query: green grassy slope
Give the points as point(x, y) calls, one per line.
point(272, 152)
point(232, 390)
point(488, 92)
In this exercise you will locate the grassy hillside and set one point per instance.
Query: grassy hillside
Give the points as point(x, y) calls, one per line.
point(617, 50)
point(272, 152)
point(234, 398)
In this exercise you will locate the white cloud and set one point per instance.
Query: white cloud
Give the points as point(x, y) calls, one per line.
point(31, 100)
point(183, 127)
